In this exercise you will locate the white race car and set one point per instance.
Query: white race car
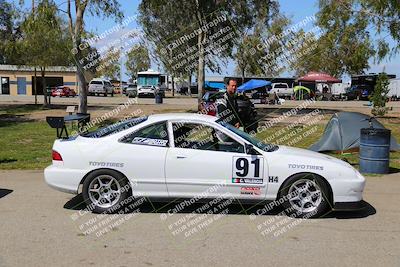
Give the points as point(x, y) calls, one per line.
point(184, 155)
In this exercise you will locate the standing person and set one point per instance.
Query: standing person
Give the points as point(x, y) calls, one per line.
point(227, 107)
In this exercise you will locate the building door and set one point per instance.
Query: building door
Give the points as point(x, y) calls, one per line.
point(21, 85)
point(4, 85)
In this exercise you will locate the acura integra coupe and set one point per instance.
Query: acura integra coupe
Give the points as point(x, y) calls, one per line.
point(184, 155)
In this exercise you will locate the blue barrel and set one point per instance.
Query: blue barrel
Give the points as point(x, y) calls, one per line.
point(159, 99)
point(374, 150)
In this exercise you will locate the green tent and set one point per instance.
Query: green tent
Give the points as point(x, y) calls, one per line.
point(300, 91)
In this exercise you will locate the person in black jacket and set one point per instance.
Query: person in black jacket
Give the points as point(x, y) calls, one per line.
point(227, 107)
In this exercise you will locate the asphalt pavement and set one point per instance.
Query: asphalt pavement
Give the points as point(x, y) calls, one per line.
point(44, 227)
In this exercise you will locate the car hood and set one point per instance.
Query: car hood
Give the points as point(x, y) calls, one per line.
point(308, 154)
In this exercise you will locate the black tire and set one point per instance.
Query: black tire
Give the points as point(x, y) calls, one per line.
point(289, 192)
point(116, 201)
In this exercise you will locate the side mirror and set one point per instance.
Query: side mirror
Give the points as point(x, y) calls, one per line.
point(250, 150)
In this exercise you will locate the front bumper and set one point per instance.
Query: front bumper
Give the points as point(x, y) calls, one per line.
point(145, 93)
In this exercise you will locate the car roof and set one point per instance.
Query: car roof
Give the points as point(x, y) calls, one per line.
point(182, 116)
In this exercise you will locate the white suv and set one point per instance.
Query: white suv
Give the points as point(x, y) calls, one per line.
point(100, 86)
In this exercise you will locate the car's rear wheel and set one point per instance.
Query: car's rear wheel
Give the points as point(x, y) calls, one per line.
point(105, 190)
point(306, 196)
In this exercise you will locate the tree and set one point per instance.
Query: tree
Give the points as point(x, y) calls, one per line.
point(109, 66)
point(138, 59)
point(99, 8)
point(379, 96)
point(44, 41)
point(352, 34)
point(9, 34)
point(190, 32)
point(259, 53)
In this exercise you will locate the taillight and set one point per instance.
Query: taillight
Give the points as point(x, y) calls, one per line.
point(212, 112)
point(56, 155)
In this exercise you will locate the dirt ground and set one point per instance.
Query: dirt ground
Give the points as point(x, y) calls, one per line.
point(98, 106)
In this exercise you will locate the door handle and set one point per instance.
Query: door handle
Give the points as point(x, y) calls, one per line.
point(180, 157)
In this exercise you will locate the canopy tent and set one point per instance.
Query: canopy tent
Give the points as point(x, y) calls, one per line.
point(343, 132)
point(318, 77)
point(214, 85)
point(252, 84)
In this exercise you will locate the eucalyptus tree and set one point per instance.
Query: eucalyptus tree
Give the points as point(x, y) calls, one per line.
point(352, 33)
point(138, 59)
point(44, 41)
point(76, 11)
point(193, 35)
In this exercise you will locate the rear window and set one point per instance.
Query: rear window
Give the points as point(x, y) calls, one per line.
point(96, 82)
point(114, 128)
point(280, 86)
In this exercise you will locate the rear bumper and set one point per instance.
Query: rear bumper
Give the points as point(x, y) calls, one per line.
point(64, 180)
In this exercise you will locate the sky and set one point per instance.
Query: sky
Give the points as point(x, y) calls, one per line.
point(294, 9)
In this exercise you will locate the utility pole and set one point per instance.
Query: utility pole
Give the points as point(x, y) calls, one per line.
point(120, 72)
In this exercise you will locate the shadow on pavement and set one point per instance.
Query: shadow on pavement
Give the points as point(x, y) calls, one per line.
point(364, 212)
point(178, 206)
point(5, 192)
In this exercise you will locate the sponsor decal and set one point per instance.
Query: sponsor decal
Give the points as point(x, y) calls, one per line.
point(273, 179)
point(106, 164)
point(306, 167)
point(247, 181)
point(250, 190)
point(149, 141)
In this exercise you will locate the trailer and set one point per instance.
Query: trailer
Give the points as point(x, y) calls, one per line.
point(394, 89)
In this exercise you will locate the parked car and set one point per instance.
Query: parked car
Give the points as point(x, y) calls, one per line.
point(208, 105)
point(259, 96)
point(359, 92)
point(100, 86)
point(150, 90)
point(62, 91)
point(282, 90)
point(131, 91)
point(247, 111)
point(185, 155)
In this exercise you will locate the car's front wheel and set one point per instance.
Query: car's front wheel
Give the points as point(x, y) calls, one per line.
point(105, 190)
point(306, 196)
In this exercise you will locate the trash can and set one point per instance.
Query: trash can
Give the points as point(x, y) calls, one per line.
point(374, 150)
point(159, 98)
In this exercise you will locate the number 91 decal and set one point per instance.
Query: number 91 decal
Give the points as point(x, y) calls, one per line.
point(248, 167)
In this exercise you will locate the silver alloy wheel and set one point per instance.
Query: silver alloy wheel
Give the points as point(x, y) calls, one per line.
point(104, 191)
point(304, 195)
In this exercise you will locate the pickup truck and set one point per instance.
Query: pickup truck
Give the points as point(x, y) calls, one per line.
point(282, 90)
point(100, 86)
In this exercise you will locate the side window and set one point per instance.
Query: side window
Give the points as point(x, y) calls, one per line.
point(153, 135)
point(203, 137)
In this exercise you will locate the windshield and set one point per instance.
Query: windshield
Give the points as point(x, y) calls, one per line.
point(148, 80)
point(96, 82)
point(254, 141)
point(114, 128)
